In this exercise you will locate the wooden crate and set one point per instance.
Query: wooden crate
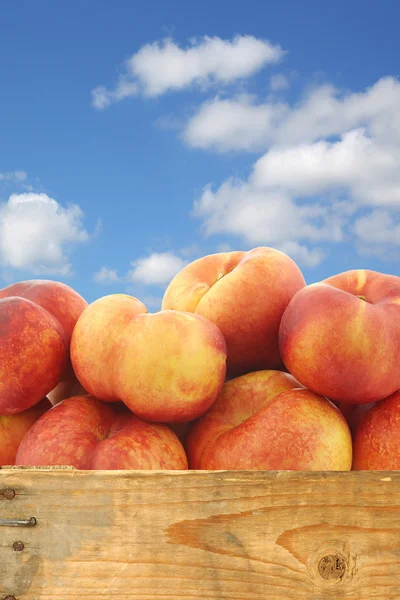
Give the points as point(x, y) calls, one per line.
point(224, 535)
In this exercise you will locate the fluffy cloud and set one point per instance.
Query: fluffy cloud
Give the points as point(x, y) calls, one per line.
point(240, 124)
point(324, 111)
point(268, 217)
point(158, 268)
point(161, 67)
point(330, 168)
point(329, 159)
point(365, 167)
point(36, 233)
point(277, 203)
point(378, 227)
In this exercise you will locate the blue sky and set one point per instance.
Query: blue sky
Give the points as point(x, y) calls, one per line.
point(136, 137)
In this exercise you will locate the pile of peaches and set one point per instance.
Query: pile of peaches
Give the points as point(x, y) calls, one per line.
point(244, 367)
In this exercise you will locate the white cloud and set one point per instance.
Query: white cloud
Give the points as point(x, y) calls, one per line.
point(378, 233)
point(277, 205)
point(364, 166)
point(158, 268)
point(237, 124)
point(164, 66)
point(14, 176)
point(328, 159)
point(326, 111)
point(323, 112)
point(102, 98)
point(267, 216)
point(106, 275)
point(36, 233)
point(278, 82)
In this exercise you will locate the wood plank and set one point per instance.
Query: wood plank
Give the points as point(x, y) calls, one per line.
point(200, 535)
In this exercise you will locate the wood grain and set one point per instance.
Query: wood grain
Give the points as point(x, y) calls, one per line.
point(200, 535)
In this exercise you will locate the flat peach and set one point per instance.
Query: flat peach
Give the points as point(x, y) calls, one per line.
point(245, 295)
point(267, 421)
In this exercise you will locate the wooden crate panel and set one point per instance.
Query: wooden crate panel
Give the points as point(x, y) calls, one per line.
point(200, 535)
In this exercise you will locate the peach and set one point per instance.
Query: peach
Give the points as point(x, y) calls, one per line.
point(14, 427)
point(166, 367)
point(62, 301)
point(266, 420)
point(376, 437)
point(341, 337)
point(33, 354)
point(96, 340)
point(88, 434)
point(245, 295)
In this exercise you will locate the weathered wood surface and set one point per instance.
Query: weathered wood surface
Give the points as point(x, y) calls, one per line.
point(199, 535)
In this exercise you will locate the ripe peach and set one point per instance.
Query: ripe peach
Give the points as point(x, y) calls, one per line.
point(166, 367)
point(33, 354)
point(376, 437)
point(245, 295)
point(267, 421)
point(88, 434)
point(14, 427)
point(341, 337)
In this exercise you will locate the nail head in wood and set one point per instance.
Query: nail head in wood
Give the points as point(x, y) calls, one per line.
point(18, 546)
point(9, 494)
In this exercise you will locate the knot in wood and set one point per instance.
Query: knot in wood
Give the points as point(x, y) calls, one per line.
point(332, 566)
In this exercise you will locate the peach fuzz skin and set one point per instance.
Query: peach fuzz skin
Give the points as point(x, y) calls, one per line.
point(33, 354)
point(166, 367)
point(245, 295)
point(376, 437)
point(66, 305)
point(88, 434)
point(343, 346)
point(267, 421)
point(59, 299)
point(14, 427)
point(96, 339)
